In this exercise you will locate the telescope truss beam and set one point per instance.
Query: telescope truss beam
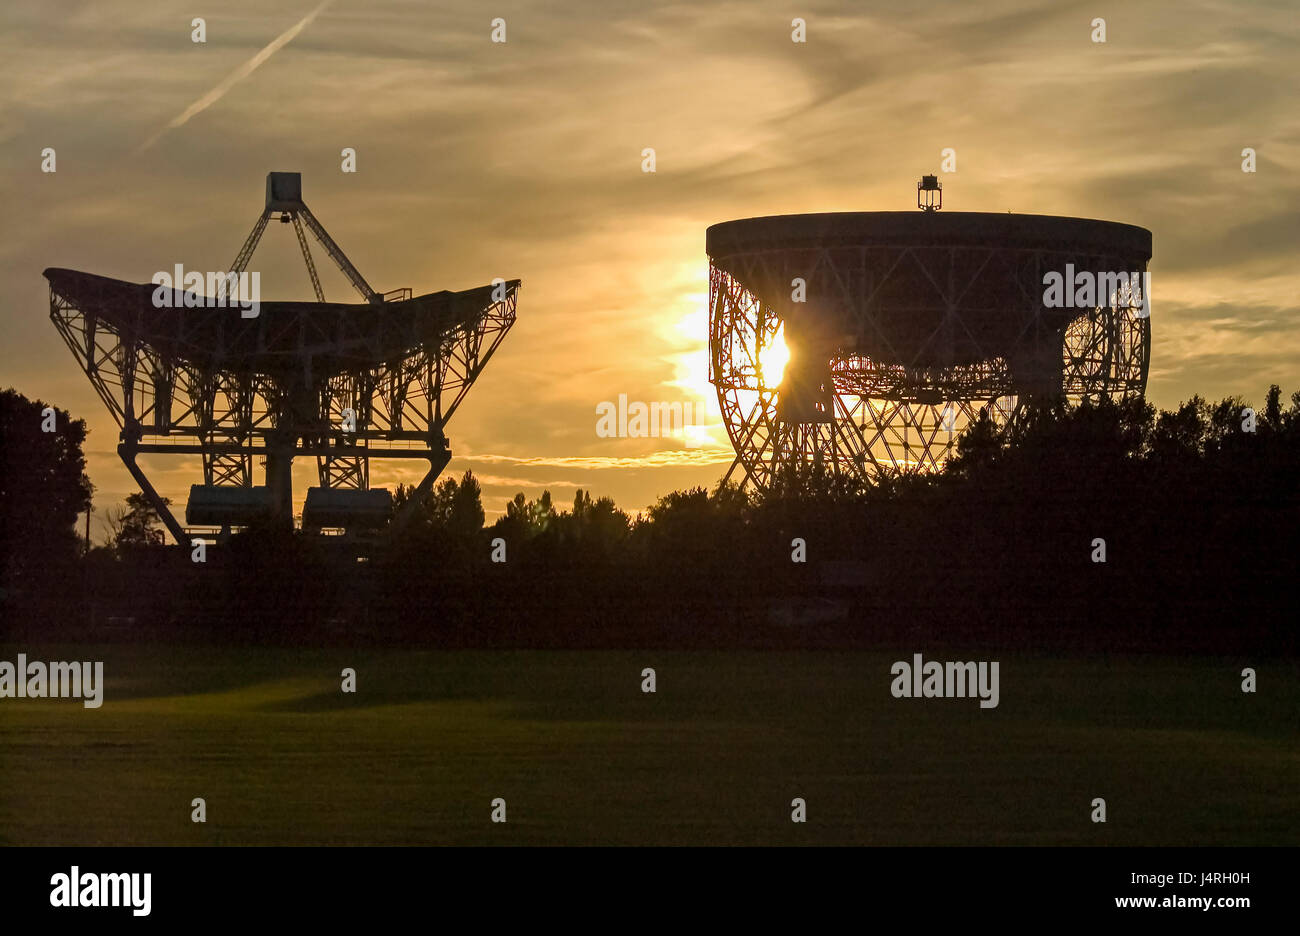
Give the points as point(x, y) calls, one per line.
point(914, 342)
point(171, 404)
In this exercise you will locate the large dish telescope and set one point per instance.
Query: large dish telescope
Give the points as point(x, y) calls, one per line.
point(340, 382)
point(868, 341)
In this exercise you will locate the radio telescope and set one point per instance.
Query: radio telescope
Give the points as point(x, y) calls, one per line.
point(868, 341)
point(340, 382)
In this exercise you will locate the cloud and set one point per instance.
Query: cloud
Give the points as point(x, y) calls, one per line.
point(238, 75)
point(701, 456)
point(522, 160)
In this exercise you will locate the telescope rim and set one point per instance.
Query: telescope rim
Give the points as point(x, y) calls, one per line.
point(926, 229)
point(268, 343)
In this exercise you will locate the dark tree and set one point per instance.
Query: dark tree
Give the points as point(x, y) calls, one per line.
point(451, 507)
point(138, 524)
point(43, 487)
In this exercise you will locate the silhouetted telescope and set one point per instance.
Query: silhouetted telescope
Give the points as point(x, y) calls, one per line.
point(187, 372)
point(900, 326)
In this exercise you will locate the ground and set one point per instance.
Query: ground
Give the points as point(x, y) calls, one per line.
point(582, 756)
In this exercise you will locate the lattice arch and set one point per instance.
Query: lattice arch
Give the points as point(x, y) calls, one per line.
point(907, 328)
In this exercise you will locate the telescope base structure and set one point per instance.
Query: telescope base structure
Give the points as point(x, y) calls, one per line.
point(343, 383)
point(899, 328)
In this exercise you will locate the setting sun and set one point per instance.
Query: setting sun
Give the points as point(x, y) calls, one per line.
point(772, 360)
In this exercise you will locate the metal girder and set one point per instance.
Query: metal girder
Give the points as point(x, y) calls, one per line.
point(173, 403)
point(911, 367)
point(250, 244)
point(342, 383)
point(337, 255)
point(127, 452)
point(293, 208)
point(306, 256)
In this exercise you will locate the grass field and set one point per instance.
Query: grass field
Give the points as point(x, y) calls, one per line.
point(582, 756)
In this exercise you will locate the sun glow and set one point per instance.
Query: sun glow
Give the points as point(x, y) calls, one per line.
point(772, 359)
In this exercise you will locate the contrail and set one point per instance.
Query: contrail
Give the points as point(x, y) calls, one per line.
point(236, 76)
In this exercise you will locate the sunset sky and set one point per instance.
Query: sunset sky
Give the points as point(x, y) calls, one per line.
point(523, 160)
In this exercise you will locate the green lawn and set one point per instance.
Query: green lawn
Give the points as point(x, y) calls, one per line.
point(581, 756)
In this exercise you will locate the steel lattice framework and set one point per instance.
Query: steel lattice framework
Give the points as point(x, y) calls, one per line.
point(210, 382)
point(900, 327)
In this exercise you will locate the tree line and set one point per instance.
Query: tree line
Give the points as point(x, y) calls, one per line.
point(1092, 527)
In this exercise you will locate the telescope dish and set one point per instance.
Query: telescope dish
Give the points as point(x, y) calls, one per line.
point(898, 327)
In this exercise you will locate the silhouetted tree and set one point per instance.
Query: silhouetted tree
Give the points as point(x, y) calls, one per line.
point(525, 519)
point(136, 525)
point(597, 528)
point(43, 486)
point(452, 507)
point(1201, 517)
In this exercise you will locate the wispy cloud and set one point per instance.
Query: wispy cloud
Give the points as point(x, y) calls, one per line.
point(711, 456)
point(522, 159)
point(236, 76)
